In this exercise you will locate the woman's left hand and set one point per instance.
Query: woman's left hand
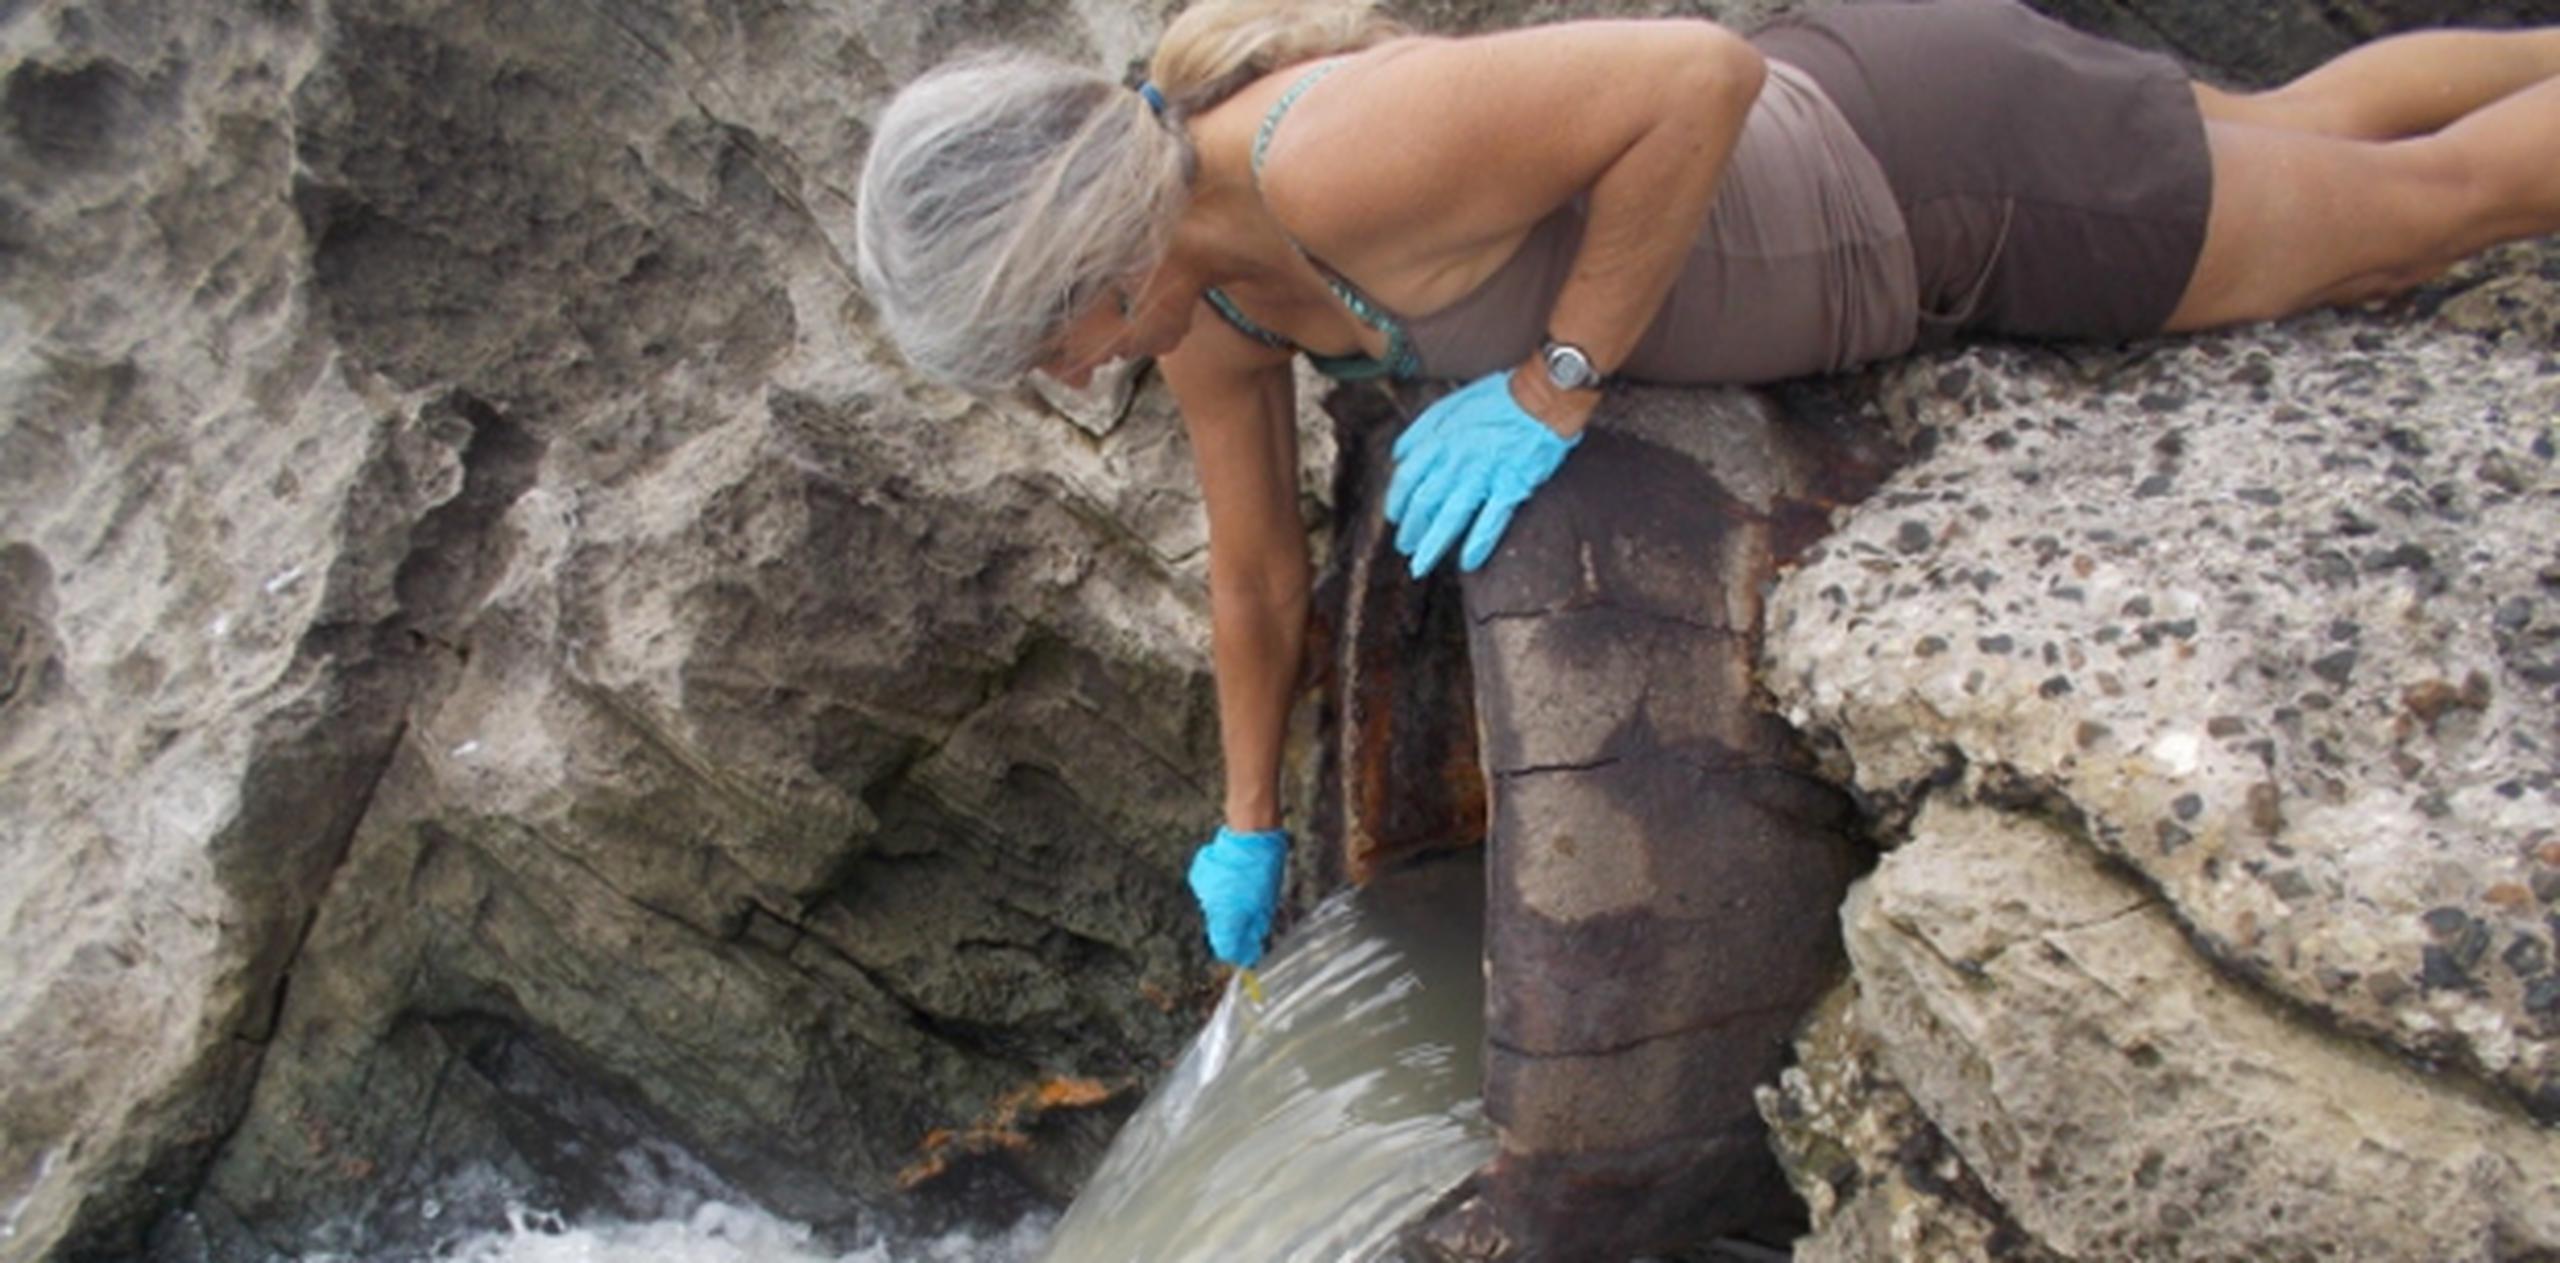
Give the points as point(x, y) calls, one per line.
point(1466, 465)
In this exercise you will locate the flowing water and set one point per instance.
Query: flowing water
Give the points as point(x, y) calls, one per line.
point(1313, 1125)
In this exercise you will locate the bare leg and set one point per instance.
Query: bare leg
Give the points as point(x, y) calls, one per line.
point(2407, 85)
point(2302, 220)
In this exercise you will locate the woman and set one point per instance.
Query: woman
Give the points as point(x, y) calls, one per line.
point(1536, 211)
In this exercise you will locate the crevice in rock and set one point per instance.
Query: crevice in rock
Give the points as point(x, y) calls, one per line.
point(1919, 1159)
point(579, 862)
point(316, 770)
point(456, 551)
point(30, 648)
point(2006, 787)
point(85, 117)
point(976, 1041)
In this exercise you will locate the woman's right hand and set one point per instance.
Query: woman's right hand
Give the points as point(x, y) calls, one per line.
point(1236, 878)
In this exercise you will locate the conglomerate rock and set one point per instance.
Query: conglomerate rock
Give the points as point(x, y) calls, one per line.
point(2265, 621)
point(2092, 1088)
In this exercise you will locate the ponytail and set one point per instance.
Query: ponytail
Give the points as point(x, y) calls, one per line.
point(1218, 46)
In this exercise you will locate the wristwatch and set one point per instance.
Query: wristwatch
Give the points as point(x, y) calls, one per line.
point(1569, 367)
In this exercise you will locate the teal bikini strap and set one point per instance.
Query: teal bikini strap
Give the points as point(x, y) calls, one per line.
point(1244, 324)
point(1341, 368)
point(1400, 360)
point(1280, 108)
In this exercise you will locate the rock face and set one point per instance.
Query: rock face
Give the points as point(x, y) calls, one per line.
point(2271, 42)
point(449, 473)
point(499, 669)
point(2216, 686)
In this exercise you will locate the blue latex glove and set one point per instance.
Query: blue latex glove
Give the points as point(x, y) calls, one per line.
point(1465, 465)
point(1236, 878)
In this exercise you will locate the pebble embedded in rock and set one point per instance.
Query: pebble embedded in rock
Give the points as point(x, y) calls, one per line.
point(2542, 996)
point(2411, 557)
point(2438, 971)
point(2266, 808)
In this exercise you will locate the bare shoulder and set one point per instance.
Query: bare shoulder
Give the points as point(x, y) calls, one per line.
point(1472, 138)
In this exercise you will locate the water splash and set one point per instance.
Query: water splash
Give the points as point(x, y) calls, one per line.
point(1311, 1128)
point(717, 1232)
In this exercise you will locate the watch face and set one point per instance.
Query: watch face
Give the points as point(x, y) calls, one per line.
point(1569, 368)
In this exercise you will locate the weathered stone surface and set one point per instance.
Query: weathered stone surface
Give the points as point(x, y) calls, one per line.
point(458, 418)
point(448, 471)
point(2252, 616)
point(194, 695)
point(2262, 614)
point(2120, 1098)
point(1878, 1178)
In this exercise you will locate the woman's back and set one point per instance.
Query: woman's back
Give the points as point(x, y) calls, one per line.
point(1804, 266)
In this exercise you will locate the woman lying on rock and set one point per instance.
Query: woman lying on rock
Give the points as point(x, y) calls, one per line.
point(1537, 212)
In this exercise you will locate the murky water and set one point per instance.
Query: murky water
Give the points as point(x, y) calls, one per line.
point(1313, 1126)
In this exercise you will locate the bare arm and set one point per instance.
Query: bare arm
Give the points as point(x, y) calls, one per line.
point(1239, 405)
point(1419, 170)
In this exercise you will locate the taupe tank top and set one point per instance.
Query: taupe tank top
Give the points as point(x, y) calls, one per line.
point(1804, 267)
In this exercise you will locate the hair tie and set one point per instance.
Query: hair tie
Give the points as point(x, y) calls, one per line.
point(1154, 96)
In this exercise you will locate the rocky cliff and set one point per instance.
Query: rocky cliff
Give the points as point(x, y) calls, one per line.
point(500, 667)
point(501, 675)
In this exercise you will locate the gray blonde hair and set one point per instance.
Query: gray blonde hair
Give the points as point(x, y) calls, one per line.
point(1004, 190)
point(1213, 50)
point(1001, 192)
